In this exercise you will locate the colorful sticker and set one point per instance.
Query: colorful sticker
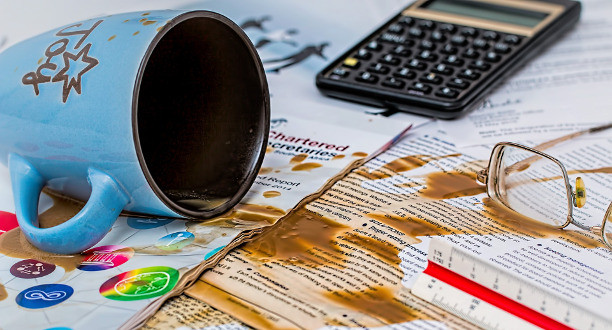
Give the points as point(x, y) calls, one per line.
point(8, 221)
point(105, 257)
point(43, 296)
point(143, 283)
point(175, 241)
point(146, 223)
point(31, 268)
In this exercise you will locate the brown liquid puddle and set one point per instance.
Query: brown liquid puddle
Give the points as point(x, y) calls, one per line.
point(359, 154)
point(244, 214)
point(265, 170)
point(382, 250)
point(14, 244)
point(291, 239)
point(447, 185)
point(305, 167)
point(412, 226)
point(298, 158)
point(228, 304)
point(378, 302)
point(149, 22)
point(400, 165)
point(271, 194)
point(269, 149)
point(3, 293)
point(336, 157)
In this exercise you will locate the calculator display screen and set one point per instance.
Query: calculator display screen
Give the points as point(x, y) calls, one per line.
point(489, 11)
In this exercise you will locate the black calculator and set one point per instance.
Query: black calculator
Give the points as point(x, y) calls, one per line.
point(441, 57)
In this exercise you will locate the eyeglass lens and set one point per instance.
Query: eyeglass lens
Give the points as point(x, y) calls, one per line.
point(532, 185)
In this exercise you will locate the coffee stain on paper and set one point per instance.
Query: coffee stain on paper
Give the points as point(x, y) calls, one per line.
point(271, 193)
point(292, 238)
point(305, 167)
point(298, 158)
point(399, 166)
point(3, 293)
point(380, 303)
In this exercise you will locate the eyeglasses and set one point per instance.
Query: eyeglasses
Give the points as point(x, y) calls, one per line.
point(537, 185)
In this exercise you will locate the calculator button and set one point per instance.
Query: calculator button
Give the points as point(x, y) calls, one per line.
point(420, 88)
point(404, 73)
point(367, 77)
point(443, 69)
point(378, 68)
point(426, 24)
point(447, 93)
point(469, 74)
point(416, 32)
point(431, 78)
point(453, 60)
point(501, 48)
point(401, 51)
point(338, 73)
point(416, 64)
point(490, 35)
point(396, 28)
point(492, 57)
point(469, 32)
point(389, 59)
point(458, 40)
point(458, 83)
point(437, 36)
point(512, 39)
point(448, 28)
point(480, 44)
point(427, 45)
point(449, 49)
point(393, 83)
point(480, 65)
point(427, 56)
point(471, 53)
point(406, 20)
point(363, 54)
point(351, 62)
point(395, 39)
point(373, 45)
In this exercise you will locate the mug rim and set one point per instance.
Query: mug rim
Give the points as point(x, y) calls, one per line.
point(253, 172)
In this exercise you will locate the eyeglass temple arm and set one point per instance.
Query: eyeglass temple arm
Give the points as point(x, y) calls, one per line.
point(552, 143)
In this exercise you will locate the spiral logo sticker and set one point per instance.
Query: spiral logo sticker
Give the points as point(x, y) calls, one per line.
point(175, 241)
point(105, 257)
point(44, 295)
point(138, 284)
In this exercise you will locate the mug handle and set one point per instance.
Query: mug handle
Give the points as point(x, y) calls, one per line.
point(79, 233)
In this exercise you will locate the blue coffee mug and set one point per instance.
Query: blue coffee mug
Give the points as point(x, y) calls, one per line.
point(162, 113)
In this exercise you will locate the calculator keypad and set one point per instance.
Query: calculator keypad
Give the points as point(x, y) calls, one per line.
point(430, 59)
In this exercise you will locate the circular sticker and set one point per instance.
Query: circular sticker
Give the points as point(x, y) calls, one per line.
point(143, 283)
point(8, 221)
point(146, 223)
point(175, 241)
point(31, 268)
point(43, 296)
point(105, 257)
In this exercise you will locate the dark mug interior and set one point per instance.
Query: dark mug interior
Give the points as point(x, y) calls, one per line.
point(201, 114)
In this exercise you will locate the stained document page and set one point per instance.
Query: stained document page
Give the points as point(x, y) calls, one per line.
point(350, 257)
point(564, 90)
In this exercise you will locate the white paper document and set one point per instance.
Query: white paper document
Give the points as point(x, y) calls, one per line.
point(566, 89)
